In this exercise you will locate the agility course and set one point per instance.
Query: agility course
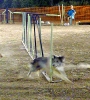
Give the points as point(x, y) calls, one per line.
point(30, 43)
point(67, 41)
point(14, 83)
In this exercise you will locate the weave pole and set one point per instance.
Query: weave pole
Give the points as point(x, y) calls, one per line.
point(29, 33)
point(24, 28)
point(26, 36)
point(51, 52)
point(59, 12)
point(40, 40)
point(29, 38)
point(30, 42)
point(49, 77)
point(62, 15)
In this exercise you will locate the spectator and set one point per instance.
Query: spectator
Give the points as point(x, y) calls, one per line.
point(71, 15)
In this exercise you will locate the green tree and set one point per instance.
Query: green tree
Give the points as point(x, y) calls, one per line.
point(27, 3)
point(1, 2)
point(44, 3)
point(16, 4)
point(40, 3)
point(7, 3)
point(85, 2)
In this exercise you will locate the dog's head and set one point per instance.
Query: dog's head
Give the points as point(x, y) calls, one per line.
point(57, 60)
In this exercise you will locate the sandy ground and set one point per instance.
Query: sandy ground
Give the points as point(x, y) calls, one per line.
point(14, 60)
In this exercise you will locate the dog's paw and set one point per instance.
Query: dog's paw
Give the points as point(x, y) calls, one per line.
point(28, 74)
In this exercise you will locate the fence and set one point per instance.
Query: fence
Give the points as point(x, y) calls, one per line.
point(82, 13)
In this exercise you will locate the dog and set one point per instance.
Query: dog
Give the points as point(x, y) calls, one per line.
point(43, 63)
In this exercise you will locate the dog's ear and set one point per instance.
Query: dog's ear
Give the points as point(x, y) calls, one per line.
point(53, 56)
point(61, 58)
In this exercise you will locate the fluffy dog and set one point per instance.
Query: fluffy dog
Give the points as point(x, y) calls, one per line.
point(43, 63)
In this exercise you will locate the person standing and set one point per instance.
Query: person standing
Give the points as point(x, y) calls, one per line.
point(71, 15)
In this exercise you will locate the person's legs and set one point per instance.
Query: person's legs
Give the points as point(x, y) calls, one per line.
point(70, 21)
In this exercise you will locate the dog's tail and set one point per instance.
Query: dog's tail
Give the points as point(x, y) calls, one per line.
point(79, 66)
point(60, 73)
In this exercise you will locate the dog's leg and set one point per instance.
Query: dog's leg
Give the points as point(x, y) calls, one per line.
point(60, 73)
point(29, 73)
point(38, 73)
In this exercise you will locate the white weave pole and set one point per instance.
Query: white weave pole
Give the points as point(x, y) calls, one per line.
point(49, 77)
point(29, 34)
point(62, 16)
point(59, 12)
point(51, 52)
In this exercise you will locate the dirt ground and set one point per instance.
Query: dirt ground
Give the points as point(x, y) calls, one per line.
point(71, 41)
